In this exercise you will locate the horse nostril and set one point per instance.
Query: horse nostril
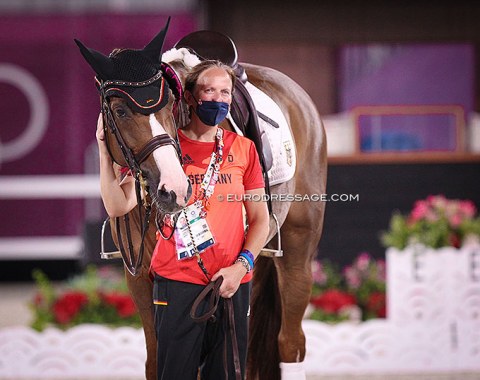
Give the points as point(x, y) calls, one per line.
point(166, 196)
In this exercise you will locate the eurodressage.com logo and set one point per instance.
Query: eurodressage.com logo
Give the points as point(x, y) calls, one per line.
point(289, 197)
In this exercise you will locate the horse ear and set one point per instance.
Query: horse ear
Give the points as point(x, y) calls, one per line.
point(154, 48)
point(100, 63)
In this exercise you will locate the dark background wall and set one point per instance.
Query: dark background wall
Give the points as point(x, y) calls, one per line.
point(353, 227)
point(302, 39)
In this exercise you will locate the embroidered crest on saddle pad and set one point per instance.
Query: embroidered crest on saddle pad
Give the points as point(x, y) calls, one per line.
point(280, 139)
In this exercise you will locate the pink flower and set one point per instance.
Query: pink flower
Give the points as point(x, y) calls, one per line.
point(381, 270)
point(468, 209)
point(419, 211)
point(455, 220)
point(352, 276)
point(318, 274)
point(431, 216)
point(437, 201)
point(363, 261)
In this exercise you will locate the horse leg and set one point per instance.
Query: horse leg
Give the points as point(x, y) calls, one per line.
point(141, 289)
point(295, 284)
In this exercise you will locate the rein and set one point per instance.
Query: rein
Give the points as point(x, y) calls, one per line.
point(133, 162)
point(212, 290)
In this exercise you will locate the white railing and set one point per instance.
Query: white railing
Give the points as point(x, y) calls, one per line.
point(45, 187)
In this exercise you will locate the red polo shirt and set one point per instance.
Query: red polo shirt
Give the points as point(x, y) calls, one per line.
point(240, 171)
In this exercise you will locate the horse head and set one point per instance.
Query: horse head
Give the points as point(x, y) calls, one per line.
point(139, 95)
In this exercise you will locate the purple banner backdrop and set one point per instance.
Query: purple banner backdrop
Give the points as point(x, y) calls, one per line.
point(428, 74)
point(407, 74)
point(46, 84)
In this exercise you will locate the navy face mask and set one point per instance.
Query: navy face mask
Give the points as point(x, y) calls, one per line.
point(211, 113)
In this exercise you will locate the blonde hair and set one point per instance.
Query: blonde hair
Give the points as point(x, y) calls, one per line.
point(192, 77)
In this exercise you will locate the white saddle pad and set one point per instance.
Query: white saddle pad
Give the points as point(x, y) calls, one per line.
point(281, 139)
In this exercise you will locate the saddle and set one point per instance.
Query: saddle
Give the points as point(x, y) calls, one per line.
point(214, 45)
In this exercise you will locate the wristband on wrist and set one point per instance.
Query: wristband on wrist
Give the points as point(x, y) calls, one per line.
point(242, 260)
point(249, 256)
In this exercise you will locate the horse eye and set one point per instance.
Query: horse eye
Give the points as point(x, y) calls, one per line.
point(120, 112)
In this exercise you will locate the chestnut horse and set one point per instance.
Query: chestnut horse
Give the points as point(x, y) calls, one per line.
point(281, 285)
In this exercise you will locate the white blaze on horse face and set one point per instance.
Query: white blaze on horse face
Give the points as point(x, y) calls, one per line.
point(172, 176)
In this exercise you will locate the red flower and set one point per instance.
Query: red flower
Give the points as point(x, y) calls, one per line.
point(122, 302)
point(331, 301)
point(68, 305)
point(376, 304)
point(38, 300)
point(455, 241)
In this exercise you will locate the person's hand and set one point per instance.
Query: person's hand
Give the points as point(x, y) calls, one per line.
point(100, 135)
point(232, 276)
point(100, 132)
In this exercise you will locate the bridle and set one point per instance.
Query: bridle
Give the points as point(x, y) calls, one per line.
point(134, 161)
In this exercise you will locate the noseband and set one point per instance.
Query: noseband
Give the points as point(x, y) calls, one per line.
point(133, 161)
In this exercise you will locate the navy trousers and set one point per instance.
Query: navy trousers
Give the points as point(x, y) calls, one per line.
point(185, 346)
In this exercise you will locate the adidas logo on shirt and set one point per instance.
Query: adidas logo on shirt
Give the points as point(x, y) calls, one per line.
point(187, 159)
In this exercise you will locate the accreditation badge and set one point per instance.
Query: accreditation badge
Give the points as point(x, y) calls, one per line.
point(192, 233)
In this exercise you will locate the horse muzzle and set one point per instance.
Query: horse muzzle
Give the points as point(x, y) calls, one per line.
point(171, 201)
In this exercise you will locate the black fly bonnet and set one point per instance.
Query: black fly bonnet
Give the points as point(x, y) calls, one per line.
point(138, 76)
point(143, 81)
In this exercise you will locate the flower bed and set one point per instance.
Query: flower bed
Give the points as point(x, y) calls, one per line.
point(95, 296)
point(355, 293)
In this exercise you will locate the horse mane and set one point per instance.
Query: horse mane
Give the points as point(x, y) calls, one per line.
point(181, 61)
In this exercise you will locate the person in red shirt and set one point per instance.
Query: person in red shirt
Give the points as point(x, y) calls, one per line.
point(209, 239)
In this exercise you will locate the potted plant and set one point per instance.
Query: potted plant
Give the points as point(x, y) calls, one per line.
point(432, 255)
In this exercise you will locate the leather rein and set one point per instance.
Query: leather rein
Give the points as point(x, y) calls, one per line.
point(131, 261)
point(211, 295)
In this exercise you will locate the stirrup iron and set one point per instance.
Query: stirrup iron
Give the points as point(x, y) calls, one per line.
point(269, 252)
point(107, 255)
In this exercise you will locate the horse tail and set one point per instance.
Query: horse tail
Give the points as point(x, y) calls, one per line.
point(265, 322)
